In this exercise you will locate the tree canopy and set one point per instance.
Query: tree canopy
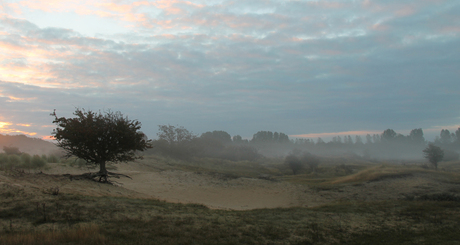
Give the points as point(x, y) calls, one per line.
point(99, 138)
point(434, 154)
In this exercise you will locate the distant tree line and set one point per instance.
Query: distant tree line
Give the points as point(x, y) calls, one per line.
point(177, 141)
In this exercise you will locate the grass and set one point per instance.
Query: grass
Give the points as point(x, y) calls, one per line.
point(42, 218)
point(83, 234)
point(213, 166)
point(103, 220)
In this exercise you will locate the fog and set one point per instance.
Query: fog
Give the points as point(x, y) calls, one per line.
point(178, 142)
point(389, 145)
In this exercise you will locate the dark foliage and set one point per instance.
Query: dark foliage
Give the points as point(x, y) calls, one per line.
point(98, 138)
point(434, 154)
point(294, 163)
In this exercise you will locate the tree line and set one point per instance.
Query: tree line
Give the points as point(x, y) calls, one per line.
point(179, 142)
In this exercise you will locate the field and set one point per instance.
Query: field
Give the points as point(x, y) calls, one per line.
point(211, 201)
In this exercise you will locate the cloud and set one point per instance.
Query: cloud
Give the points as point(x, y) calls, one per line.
point(300, 67)
point(333, 134)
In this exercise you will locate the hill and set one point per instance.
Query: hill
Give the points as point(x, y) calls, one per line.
point(27, 144)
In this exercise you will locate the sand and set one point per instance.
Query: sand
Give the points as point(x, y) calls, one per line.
point(217, 191)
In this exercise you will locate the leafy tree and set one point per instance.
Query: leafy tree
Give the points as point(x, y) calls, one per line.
point(237, 139)
point(416, 136)
point(268, 136)
point(320, 141)
point(174, 135)
point(349, 140)
point(262, 136)
point(294, 163)
point(178, 142)
point(445, 136)
point(388, 135)
point(99, 138)
point(434, 154)
point(376, 138)
point(310, 160)
point(368, 139)
point(222, 136)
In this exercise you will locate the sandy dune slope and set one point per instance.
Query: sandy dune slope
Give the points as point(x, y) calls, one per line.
point(218, 191)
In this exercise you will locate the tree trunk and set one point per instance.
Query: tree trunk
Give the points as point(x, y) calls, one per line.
point(102, 172)
point(102, 169)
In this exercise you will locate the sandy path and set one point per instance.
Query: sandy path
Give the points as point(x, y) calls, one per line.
point(238, 194)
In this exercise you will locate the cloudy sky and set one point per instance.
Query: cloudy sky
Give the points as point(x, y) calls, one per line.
point(302, 67)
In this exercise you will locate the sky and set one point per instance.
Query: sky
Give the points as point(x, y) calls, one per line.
point(305, 68)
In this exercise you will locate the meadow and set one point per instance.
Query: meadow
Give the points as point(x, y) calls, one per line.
point(345, 201)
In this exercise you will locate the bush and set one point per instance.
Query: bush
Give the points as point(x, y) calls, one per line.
point(38, 162)
point(53, 159)
point(14, 160)
point(26, 161)
point(294, 163)
point(3, 158)
point(310, 160)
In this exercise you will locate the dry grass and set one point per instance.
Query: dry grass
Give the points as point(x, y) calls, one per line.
point(41, 218)
point(84, 234)
point(387, 171)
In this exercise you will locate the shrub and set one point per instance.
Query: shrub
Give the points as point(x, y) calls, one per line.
point(3, 158)
point(26, 161)
point(294, 163)
point(38, 162)
point(53, 159)
point(14, 160)
point(310, 160)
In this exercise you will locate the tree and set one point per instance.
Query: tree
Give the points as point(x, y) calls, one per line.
point(177, 142)
point(310, 160)
point(388, 135)
point(174, 135)
point(99, 138)
point(446, 137)
point(294, 163)
point(457, 135)
point(221, 136)
point(368, 139)
point(434, 154)
point(416, 136)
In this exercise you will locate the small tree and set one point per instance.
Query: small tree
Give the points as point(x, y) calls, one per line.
point(294, 163)
point(310, 160)
point(99, 138)
point(434, 154)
